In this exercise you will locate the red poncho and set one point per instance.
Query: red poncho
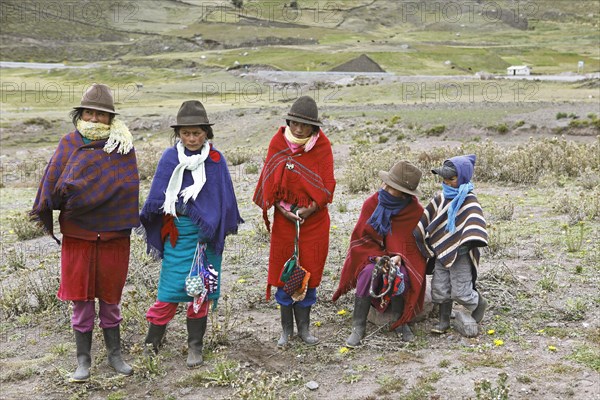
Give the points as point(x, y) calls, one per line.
point(297, 178)
point(365, 242)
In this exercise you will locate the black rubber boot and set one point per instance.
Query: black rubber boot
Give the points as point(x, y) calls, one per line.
point(112, 340)
point(154, 337)
point(403, 331)
point(444, 324)
point(287, 325)
point(196, 329)
point(83, 341)
point(302, 315)
point(482, 304)
point(359, 320)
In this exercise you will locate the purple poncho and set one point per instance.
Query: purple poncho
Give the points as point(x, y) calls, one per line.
point(214, 211)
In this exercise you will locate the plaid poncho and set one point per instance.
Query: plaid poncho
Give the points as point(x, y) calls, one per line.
point(95, 190)
point(433, 239)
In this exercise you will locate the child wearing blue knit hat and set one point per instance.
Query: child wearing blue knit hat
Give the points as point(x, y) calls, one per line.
point(451, 230)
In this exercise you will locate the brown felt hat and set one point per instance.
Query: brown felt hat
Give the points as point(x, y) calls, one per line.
point(403, 176)
point(304, 110)
point(191, 113)
point(98, 97)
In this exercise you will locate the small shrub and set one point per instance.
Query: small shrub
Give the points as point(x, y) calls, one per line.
point(436, 130)
point(251, 169)
point(561, 115)
point(484, 389)
point(502, 128)
point(574, 236)
point(588, 356)
point(504, 210)
point(519, 123)
point(394, 120)
point(15, 260)
point(576, 309)
point(575, 123)
point(499, 240)
point(42, 285)
point(44, 123)
point(238, 155)
point(24, 228)
point(548, 280)
point(582, 207)
point(383, 139)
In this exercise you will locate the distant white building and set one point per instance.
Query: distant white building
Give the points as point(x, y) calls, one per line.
point(518, 70)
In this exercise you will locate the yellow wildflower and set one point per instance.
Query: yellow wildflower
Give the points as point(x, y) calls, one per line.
point(343, 350)
point(342, 312)
point(318, 323)
point(552, 348)
point(241, 280)
point(498, 342)
point(491, 332)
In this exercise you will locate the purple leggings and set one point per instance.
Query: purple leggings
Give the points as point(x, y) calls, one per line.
point(84, 315)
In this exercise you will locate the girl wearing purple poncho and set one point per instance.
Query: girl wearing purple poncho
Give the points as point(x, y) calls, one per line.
point(191, 203)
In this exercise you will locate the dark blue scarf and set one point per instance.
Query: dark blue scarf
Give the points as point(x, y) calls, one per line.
point(387, 206)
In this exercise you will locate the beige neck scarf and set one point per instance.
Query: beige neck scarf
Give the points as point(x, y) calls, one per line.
point(117, 133)
point(293, 139)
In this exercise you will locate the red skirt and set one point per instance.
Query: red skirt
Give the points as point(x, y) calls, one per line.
point(314, 246)
point(93, 269)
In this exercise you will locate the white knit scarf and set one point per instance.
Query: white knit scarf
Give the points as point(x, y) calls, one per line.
point(193, 163)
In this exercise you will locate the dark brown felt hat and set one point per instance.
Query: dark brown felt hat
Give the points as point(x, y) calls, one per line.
point(98, 97)
point(403, 176)
point(191, 113)
point(304, 110)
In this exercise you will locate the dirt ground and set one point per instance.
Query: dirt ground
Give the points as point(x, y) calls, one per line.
point(524, 334)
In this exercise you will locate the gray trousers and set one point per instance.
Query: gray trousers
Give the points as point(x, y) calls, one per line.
point(454, 283)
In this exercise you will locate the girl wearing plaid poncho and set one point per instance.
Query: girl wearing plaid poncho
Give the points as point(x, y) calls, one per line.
point(93, 180)
point(451, 230)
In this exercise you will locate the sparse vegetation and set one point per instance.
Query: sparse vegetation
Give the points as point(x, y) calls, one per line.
point(540, 196)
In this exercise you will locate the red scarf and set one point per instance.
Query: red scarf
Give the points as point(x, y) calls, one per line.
point(365, 242)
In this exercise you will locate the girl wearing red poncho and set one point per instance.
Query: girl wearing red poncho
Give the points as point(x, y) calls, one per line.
point(384, 228)
point(297, 179)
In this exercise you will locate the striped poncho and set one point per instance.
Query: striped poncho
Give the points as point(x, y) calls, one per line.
point(434, 241)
